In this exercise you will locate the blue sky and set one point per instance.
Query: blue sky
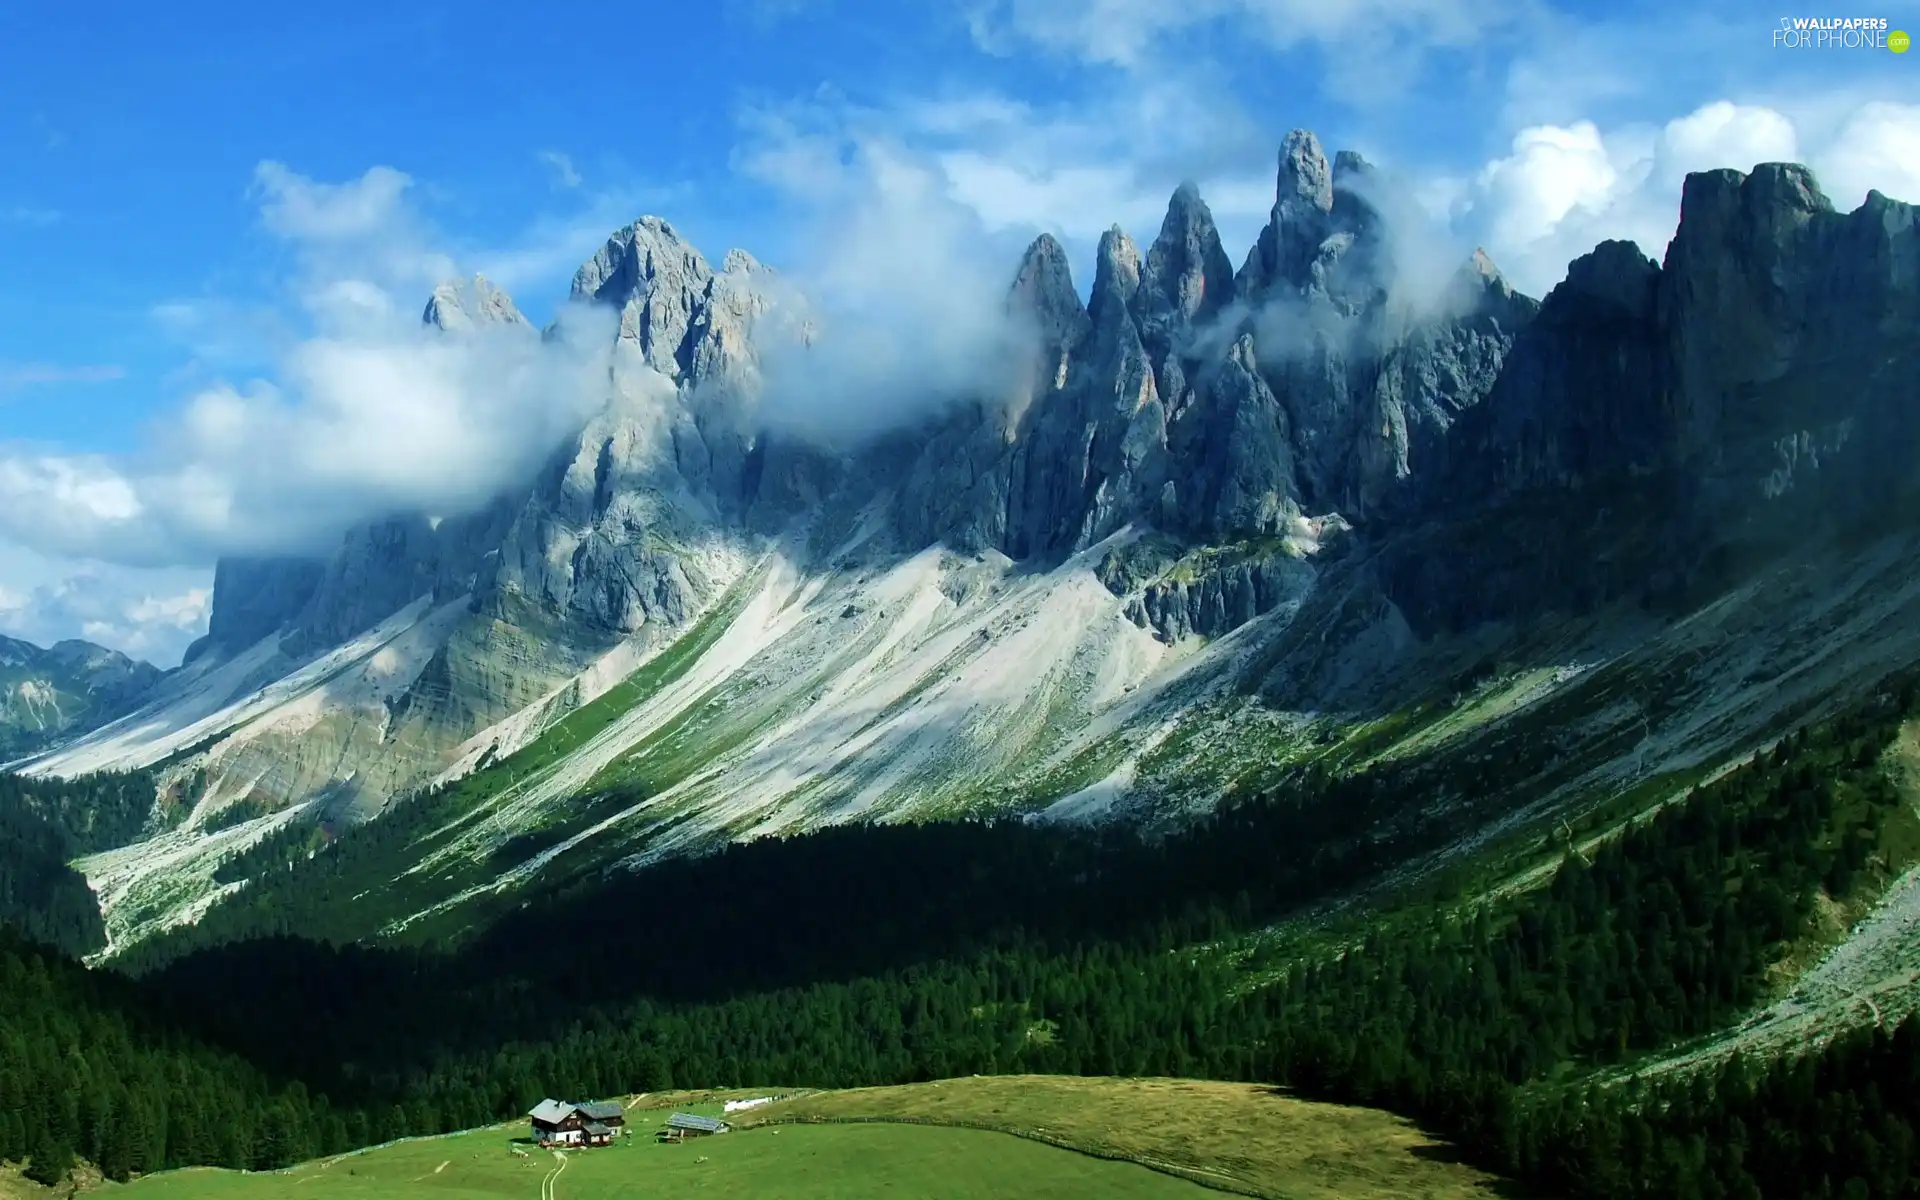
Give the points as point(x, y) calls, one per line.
point(184, 182)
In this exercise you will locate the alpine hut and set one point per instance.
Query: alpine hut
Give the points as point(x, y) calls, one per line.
point(566, 1123)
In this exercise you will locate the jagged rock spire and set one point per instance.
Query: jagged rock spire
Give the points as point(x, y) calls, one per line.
point(657, 281)
point(1306, 178)
point(1299, 223)
point(1043, 291)
point(1349, 165)
point(1116, 276)
point(462, 305)
point(1188, 276)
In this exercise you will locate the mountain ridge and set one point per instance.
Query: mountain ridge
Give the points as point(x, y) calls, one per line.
point(54, 692)
point(1263, 506)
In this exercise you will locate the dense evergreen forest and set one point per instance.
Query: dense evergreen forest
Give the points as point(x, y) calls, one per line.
point(45, 823)
point(888, 954)
point(40, 895)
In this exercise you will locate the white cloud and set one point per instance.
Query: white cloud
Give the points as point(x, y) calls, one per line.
point(1130, 33)
point(15, 376)
point(904, 287)
point(149, 614)
point(564, 173)
point(361, 411)
point(1563, 188)
point(1877, 149)
point(300, 208)
point(1072, 169)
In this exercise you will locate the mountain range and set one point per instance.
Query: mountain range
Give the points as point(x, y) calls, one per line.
point(47, 695)
point(1212, 525)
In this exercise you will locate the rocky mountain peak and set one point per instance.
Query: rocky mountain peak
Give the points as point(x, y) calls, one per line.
point(1116, 276)
point(1350, 166)
point(1043, 291)
point(1187, 276)
point(1481, 265)
point(1306, 178)
point(739, 262)
point(656, 280)
point(464, 304)
point(1478, 285)
point(1306, 231)
point(1613, 275)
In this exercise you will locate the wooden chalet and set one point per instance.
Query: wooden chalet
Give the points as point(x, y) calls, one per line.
point(565, 1123)
point(681, 1126)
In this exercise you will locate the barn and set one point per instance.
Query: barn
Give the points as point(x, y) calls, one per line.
point(681, 1126)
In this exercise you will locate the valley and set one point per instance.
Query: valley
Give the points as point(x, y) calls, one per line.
point(1278, 702)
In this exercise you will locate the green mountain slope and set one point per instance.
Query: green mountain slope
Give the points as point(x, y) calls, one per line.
point(1532, 1023)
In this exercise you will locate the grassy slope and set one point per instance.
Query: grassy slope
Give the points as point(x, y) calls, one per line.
point(827, 1162)
point(1234, 1136)
point(946, 1139)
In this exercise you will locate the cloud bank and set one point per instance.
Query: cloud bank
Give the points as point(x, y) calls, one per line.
point(364, 412)
point(903, 293)
point(1563, 188)
point(147, 614)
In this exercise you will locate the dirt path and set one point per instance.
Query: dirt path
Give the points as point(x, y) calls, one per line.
point(549, 1184)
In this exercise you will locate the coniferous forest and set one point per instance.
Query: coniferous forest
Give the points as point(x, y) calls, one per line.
point(46, 824)
point(895, 954)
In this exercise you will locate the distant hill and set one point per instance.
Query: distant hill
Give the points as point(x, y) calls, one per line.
point(49, 695)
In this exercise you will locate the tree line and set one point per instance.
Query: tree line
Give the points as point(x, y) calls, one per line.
point(46, 823)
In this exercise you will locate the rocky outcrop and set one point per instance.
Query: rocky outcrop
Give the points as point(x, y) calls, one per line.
point(656, 283)
point(1217, 406)
point(1788, 333)
point(1660, 430)
point(1207, 592)
point(1579, 395)
point(1773, 346)
point(254, 597)
point(461, 306)
point(612, 533)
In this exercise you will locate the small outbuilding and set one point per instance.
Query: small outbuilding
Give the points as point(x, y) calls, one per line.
point(681, 1126)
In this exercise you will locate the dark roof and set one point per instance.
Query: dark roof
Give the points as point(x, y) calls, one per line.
point(601, 1110)
point(689, 1121)
point(596, 1128)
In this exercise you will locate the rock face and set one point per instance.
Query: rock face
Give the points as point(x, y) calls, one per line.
point(476, 302)
point(1222, 406)
point(1216, 406)
point(1755, 391)
point(1494, 456)
point(1787, 334)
